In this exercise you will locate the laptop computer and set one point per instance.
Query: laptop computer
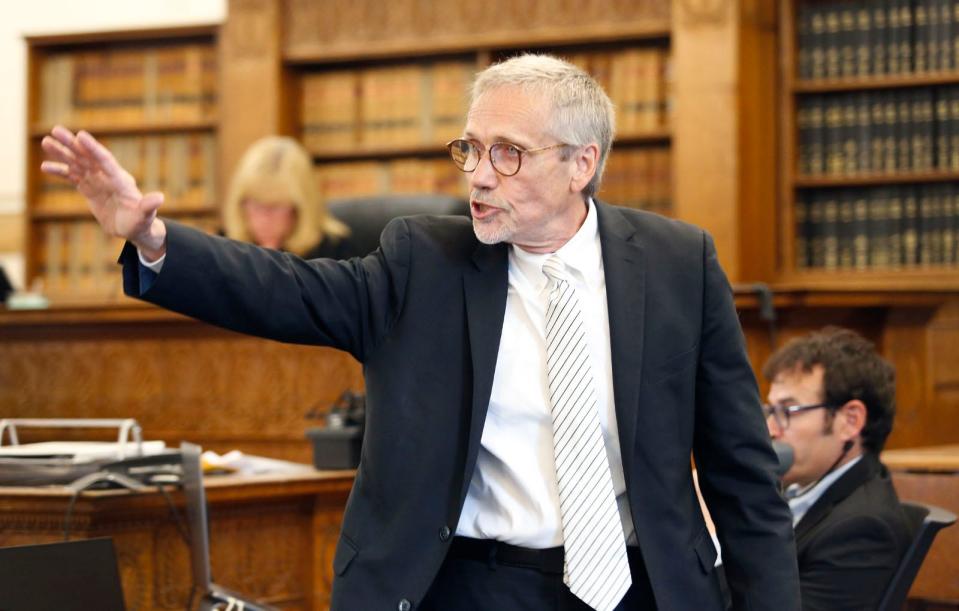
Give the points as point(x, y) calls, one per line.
point(212, 596)
point(67, 576)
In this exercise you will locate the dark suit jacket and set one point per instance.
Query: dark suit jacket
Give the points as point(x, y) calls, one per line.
point(424, 315)
point(851, 540)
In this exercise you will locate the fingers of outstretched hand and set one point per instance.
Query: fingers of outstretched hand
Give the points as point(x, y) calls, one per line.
point(63, 135)
point(57, 151)
point(62, 151)
point(80, 151)
point(151, 201)
point(59, 158)
point(101, 156)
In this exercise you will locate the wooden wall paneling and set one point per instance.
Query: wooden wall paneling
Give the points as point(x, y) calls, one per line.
point(906, 343)
point(937, 424)
point(180, 379)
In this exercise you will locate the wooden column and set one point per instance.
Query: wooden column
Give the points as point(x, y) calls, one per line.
point(252, 86)
point(724, 59)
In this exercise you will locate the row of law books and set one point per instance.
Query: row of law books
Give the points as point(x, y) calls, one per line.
point(382, 107)
point(398, 176)
point(910, 226)
point(182, 166)
point(77, 261)
point(858, 38)
point(886, 131)
point(425, 103)
point(637, 80)
point(128, 87)
point(639, 178)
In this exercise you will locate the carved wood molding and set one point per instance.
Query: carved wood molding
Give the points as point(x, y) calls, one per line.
point(705, 12)
point(249, 30)
point(351, 24)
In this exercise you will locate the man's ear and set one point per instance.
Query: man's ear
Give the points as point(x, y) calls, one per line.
point(850, 420)
point(586, 159)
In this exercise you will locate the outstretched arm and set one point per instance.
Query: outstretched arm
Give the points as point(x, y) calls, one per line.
point(112, 193)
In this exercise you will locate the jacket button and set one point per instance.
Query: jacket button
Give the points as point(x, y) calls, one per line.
point(404, 605)
point(444, 533)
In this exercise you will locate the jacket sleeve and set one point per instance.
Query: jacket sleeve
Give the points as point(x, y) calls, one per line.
point(848, 565)
point(735, 459)
point(350, 305)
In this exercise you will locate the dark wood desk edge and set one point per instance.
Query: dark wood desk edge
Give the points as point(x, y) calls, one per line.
point(232, 487)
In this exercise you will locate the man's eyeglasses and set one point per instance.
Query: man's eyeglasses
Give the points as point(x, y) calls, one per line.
point(506, 158)
point(781, 413)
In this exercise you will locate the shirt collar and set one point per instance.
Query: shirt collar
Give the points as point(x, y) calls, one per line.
point(799, 505)
point(582, 255)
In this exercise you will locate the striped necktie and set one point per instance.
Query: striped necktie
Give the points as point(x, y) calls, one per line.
point(596, 567)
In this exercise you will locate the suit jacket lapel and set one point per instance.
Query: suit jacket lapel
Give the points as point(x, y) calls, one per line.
point(485, 289)
point(624, 266)
point(858, 474)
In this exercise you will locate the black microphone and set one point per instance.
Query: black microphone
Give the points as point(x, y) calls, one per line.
point(784, 458)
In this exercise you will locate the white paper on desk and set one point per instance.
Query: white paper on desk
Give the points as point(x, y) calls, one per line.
point(79, 451)
point(235, 461)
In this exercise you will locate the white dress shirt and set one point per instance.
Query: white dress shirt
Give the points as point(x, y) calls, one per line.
point(800, 502)
point(513, 493)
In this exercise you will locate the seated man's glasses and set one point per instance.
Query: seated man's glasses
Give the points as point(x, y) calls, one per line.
point(506, 158)
point(781, 413)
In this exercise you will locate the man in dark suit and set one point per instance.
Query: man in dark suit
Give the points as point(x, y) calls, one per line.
point(832, 398)
point(536, 378)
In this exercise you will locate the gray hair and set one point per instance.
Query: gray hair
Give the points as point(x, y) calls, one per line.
point(582, 112)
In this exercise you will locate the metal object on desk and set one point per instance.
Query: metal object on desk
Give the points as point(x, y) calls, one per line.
point(63, 462)
point(338, 444)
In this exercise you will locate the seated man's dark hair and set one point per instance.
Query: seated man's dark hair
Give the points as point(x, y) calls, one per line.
point(853, 369)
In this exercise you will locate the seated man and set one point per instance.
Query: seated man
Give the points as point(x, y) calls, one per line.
point(832, 399)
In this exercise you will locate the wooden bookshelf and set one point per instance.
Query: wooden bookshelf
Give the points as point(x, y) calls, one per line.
point(400, 112)
point(152, 97)
point(868, 158)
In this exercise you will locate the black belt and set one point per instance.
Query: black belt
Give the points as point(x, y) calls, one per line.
point(549, 560)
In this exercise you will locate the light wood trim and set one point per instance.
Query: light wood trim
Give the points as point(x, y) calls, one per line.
point(787, 131)
point(938, 279)
point(757, 217)
point(254, 89)
point(866, 180)
point(878, 82)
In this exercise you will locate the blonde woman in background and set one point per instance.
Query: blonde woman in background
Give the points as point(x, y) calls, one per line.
point(273, 202)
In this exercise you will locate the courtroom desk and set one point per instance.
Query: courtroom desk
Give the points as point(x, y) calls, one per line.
point(272, 536)
point(181, 379)
point(931, 475)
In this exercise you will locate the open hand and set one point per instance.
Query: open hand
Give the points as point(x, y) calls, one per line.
point(112, 193)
